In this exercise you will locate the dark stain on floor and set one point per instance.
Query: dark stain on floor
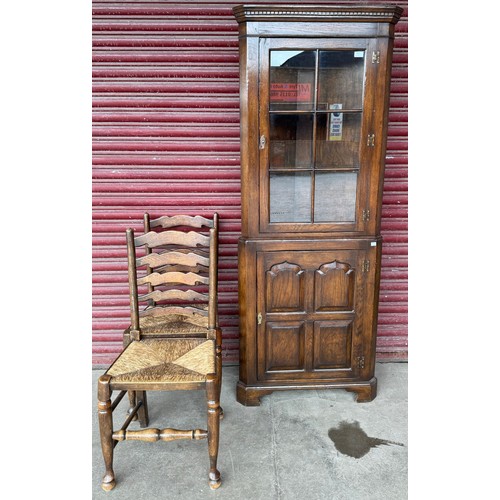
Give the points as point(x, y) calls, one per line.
point(351, 440)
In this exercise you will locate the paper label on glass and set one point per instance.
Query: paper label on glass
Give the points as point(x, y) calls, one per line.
point(335, 128)
point(290, 92)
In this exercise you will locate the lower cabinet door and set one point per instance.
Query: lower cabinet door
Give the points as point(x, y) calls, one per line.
point(311, 314)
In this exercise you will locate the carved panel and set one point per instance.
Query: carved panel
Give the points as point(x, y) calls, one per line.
point(285, 288)
point(285, 346)
point(332, 344)
point(334, 287)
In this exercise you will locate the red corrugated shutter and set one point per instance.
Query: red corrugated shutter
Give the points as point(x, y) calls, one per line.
point(392, 333)
point(166, 141)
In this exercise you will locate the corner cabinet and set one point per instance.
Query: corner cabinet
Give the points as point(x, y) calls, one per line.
point(314, 93)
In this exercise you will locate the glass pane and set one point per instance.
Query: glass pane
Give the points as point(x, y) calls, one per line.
point(341, 77)
point(290, 197)
point(292, 79)
point(335, 196)
point(337, 140)
point(290, 142)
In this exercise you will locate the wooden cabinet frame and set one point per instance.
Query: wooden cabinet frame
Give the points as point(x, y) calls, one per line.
point(308, 289)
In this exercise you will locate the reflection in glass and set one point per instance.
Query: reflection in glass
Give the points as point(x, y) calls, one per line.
point(292, 79)
point(335, 196)
point(291, 141)
point(337, 140)
point(341, 77)
point(290, 197)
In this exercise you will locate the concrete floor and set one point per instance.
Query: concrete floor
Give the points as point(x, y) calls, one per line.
point(311, 445)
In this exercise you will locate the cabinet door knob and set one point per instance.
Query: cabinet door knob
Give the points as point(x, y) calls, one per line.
point(259, 319)
point(262, 142)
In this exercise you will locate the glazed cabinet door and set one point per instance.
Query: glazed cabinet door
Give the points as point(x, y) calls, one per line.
point(316, 121)
point(310, 314)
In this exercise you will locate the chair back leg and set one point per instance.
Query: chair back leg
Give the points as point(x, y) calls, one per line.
point(218, 364)
point(143, 410)
point(131, 398)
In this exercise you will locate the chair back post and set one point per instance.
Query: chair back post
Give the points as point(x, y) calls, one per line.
point(132, 281)
point(213, 274)
point(147, 228)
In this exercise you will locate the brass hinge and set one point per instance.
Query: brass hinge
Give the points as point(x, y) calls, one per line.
point(259, 319)
point(366, 266)
point(361, 361)
point(371, 140)
point(366, 215)
point(376, 57)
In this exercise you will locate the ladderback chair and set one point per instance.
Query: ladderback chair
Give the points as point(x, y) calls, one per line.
point(174, 339)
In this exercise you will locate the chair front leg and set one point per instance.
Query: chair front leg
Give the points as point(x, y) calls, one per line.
point(213, 389)
point(105, 414)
